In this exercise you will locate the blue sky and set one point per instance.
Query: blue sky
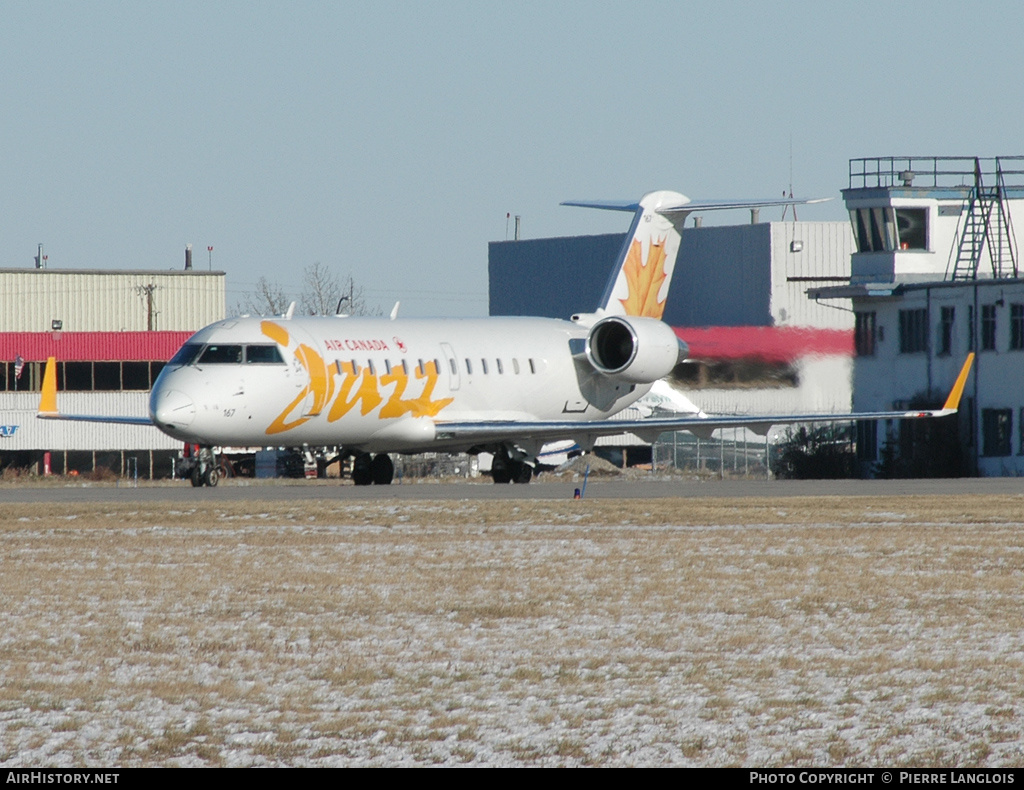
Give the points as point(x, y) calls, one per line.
point(389, 140)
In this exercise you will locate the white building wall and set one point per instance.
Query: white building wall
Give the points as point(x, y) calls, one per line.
point(18, 411)
point(823, 257)
point(97, 301)
point(889, 379)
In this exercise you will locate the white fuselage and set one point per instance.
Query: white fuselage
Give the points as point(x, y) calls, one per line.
point(373, 384)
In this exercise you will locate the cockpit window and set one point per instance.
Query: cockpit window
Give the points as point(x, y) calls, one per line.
point(218, 355)
point(263, 355)
point(186, 354)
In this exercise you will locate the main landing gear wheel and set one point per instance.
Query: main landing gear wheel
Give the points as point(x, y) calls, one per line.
point(382, 470)
point(362, 470)
point(211, 477)
point(520, 471)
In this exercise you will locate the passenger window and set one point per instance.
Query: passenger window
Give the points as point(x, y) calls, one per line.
point(483, 366)
point(533, 368)
point(405, 368)
point(515, 366)
point(263, 355)
point(387, 367)
point(500, 368)
point(369, 365)
point(221, 355)
point(469, 366)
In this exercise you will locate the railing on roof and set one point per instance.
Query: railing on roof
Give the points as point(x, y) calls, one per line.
point(935, 171)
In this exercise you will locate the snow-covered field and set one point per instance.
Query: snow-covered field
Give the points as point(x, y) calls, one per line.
point(669, 632)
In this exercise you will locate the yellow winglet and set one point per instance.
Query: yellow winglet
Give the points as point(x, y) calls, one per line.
point(48, 400)
point(953, 401)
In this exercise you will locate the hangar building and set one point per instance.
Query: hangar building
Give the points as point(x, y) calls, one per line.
point(111, 333)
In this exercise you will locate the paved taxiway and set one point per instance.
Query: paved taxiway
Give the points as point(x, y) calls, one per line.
point(235, 490)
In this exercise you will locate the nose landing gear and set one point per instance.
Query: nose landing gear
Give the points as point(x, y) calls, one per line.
point(205, 471)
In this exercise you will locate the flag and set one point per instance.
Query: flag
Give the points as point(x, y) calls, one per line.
point(19, 366)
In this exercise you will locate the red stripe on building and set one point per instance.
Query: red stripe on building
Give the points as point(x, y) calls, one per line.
point(91, 346)
point(768, 343)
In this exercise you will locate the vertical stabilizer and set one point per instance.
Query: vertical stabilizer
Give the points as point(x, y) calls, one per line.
point(643, 272)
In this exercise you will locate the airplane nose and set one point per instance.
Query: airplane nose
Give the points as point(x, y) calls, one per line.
point(173, 409)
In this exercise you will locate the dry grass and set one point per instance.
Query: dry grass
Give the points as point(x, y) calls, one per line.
point(687, 632)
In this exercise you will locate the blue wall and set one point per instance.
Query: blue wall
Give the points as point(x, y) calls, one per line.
point(722, 277)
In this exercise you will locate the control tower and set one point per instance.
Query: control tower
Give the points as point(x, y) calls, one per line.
point(934, 218)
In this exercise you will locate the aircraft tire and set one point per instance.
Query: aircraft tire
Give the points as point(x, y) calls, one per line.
point(195, 477)
point(501, 474)
point(362, 470)
point(382, 470)
point(521, 472)
point(211, 477)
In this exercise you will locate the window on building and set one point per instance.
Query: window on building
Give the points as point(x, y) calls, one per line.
point(996, 429)
point(946, 331)
point(135, 376)
point(888, 229)
point(911, 224)
point(1020, 439)
point(106, 376)
point(1017, 327)
point(970, 327)
point(864, 334)
point(988, 327)
point(913, 331)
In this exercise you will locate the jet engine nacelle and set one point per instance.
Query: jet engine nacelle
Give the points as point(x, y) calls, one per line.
point(637, 350)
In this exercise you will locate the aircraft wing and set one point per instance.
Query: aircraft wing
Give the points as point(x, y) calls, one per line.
point(48, 404)
point(650, 429)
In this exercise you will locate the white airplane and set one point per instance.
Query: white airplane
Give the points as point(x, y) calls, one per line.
point(507, 386)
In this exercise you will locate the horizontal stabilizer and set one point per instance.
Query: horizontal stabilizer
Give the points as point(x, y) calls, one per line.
point(721, 205)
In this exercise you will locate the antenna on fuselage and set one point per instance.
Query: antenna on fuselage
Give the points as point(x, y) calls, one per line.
point(394, 311)
point(289, 312)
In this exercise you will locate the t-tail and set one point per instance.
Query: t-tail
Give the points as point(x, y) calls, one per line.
point(642, 274)
point(640, 279)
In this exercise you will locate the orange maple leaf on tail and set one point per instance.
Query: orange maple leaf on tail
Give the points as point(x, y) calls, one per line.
point(645, 280)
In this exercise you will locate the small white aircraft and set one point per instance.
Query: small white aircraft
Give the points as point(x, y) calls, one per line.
point(507, 386)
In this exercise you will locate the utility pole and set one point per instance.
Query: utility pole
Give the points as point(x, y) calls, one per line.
point(146, 292)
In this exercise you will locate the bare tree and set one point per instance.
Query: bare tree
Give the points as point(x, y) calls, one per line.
point(268, 299)
point(323, 293)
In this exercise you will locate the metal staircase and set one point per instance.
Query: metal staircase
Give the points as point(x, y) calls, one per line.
point(985, 227)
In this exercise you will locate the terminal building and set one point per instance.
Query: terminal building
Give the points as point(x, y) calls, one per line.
point(111, 333)
point(936, 276)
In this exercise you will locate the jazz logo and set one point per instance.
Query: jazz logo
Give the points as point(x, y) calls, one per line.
point(341, 387)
